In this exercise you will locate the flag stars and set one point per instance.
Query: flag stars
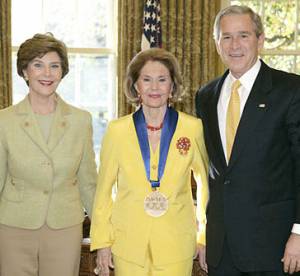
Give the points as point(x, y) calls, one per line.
point(152, 23)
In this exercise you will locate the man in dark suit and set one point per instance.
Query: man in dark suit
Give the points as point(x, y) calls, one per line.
point(252, 135)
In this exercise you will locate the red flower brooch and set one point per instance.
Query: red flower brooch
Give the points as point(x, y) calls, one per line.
point(183, 144)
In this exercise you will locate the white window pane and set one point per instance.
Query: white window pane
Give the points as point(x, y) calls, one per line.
point(282, 62)
point(26, 19)
point(77, 23)
point(90, 86)
point(90, 82)
point(100, 121)
point(20, 89)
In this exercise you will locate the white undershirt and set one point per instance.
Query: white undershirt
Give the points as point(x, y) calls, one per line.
point(247, 80)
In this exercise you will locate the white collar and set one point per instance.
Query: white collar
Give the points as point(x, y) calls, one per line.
point(247, 80)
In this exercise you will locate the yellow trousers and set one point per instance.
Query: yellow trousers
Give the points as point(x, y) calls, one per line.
point(124, 268)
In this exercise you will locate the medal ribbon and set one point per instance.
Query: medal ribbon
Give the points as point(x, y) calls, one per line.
point(169, 126)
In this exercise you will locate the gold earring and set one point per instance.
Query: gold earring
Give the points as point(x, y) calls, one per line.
point(140, 99)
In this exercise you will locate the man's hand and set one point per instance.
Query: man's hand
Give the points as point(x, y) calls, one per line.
point(291, 258)
point(200, 253)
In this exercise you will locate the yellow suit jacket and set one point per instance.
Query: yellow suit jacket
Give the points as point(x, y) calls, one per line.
point(121, 223)
point(45, 183)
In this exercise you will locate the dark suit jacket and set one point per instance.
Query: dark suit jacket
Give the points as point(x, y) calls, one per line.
point(255, 199)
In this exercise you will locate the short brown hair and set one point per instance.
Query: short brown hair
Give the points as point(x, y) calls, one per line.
point(137, 63)
point(38, 46)
point(240, 10)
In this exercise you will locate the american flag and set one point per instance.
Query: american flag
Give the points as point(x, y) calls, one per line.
point(151, 25)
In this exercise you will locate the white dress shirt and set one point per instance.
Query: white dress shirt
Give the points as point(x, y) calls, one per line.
point(247, 80)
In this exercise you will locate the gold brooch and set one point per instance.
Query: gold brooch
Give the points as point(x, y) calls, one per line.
point(183, 145)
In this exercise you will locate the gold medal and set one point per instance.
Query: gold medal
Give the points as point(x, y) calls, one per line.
point(156, 204)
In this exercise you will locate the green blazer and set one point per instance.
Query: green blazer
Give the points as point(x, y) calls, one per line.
point(45, 182)
point(121, 222)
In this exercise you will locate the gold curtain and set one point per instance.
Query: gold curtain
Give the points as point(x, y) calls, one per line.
point(187, 27)
point(130, 23)
point(5, 54)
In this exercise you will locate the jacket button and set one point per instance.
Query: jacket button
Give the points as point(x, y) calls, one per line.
point(226, 182)
point(46, 192)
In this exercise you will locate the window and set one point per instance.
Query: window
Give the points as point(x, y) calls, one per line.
point(281, 19)
point(88, 29)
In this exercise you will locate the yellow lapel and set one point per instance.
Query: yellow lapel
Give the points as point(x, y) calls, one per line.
point(167, 184)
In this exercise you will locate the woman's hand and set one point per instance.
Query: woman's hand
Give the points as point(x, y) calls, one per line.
point(104, 261)
point(200, 253)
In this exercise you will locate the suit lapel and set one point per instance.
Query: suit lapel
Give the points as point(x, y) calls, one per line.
point(30, 125)
point(217, 153)
point(60, 124)
point(254, 110)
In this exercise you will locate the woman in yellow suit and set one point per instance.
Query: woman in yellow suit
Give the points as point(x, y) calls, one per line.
point(150, 225)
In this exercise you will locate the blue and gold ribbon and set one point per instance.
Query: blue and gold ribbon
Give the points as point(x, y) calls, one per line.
point(169, 127)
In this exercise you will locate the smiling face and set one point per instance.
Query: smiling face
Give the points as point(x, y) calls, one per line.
point(238, 45)
point(44, 75)
point(154, 85)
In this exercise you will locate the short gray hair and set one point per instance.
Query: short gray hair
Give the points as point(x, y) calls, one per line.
point(235, 9)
